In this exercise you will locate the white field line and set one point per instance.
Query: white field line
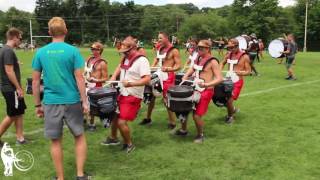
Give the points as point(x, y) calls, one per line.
point(9, 134)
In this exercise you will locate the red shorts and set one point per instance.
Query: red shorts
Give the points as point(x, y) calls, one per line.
point(237, 89)
point(98, 84)
point(205, 99)
point(128, 107)
point(168, 83)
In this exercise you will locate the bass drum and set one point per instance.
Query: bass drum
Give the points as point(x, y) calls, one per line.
point(276, 47)
point(243, 42)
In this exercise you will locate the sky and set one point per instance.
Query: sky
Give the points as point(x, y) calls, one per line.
point(29, 5)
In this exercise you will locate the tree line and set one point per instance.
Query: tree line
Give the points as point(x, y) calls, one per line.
point(92, 20)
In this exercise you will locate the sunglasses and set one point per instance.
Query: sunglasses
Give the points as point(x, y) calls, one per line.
point(94, 49)
point(201, 48)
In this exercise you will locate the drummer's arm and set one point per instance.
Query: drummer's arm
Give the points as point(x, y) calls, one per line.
point(115, 74)
point(188, 73)
point(155, 62)
point(287, 51)
point(143, 81)
point(177, 62)
point(217, 75)
point(104, 72)
point(223, 62)
point(247, 67)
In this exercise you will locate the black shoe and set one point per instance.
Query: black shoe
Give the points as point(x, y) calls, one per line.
point(22, 142)
point(128, 148)
point(229, 119)
point(171, 126)
point(145, 121)
point(110, 142)
point(288, 78)
point(180, 132)
point(198, 139)
point(92, 127)
point(84, 177)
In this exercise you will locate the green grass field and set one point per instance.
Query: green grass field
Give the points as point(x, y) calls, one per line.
point(275, 136)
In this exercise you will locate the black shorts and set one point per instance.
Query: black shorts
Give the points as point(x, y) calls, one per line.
point(15, 106)
point(252, 57)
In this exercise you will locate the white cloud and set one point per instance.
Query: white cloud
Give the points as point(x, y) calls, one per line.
point(25, 5)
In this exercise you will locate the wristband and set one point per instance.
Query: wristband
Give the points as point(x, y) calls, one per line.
point(39, 105)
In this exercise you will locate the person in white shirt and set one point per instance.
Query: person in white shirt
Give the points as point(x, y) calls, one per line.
point(134, 72)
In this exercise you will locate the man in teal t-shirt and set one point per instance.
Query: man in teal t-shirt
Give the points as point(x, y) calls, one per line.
point(64, 88)
point(57, 61)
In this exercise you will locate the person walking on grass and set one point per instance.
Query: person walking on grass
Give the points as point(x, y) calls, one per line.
point(96, 73)
point(10, 83)
point(239, 66)
point(134, 73)
point(65, 99)
point(290, 57)
point(207, 74)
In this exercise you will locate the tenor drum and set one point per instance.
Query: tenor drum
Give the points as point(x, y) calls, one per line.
point(222, 93)
point(156, 85)
point(179, 77)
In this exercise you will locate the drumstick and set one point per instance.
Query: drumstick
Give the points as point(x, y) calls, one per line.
point(185, 81)
point(156, 68)
point(234, 71)
point(110, 82)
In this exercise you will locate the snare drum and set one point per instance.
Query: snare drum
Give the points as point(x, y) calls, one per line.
point(276, 47)
point(102, 100)
point(182, 100)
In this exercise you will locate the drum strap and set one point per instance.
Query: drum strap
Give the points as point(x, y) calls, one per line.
point(165, 52)
point(126, 63)
point(91, 65)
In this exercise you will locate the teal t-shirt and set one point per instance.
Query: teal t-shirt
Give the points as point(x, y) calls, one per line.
point(57, 61)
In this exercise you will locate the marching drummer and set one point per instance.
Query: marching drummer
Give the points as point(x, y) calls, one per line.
point(239, 66)
point(253, 49)
point(290, 56)
point(192, 51)
point(207, 74)
point(168, 60)
point(96, 73)
point(134, 72)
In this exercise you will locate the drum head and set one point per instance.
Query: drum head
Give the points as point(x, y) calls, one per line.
point(243, 44)
point(98, 93)
point(275, 48)
point(181, 91)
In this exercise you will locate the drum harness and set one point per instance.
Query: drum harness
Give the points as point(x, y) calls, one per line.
point(163, 76)
point(90, 65)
